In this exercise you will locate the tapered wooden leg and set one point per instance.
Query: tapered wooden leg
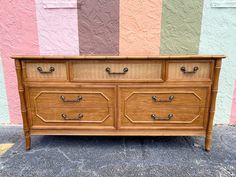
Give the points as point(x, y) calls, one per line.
point(27, 142)
point(208, 143)
point(21, 89)
point(214, 89)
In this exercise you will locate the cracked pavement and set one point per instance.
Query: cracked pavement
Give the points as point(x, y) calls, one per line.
point(60, 156)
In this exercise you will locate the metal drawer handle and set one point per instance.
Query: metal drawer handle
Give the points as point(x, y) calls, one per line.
point(63, 98)
point(169, 100)
point(195, 69)
point(51, 69)
point(64, 116)
point(125, 70)
point(155, 117)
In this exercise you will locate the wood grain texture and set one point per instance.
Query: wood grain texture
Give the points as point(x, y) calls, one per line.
point(137, 105)
point(88, 98)
point(202, 74)
point(32, 74)
point(119, 104)
point(214, 90)
point(26, 126)
point(114, 57)
point(137, 71)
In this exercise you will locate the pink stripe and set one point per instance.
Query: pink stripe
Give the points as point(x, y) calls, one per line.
point(18, 34)
point(57, 27)
point(233, 112)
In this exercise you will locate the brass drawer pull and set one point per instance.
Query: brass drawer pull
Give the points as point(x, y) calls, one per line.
point(155, 117)
point(125, 70)
point(64, 116)
point(51, 69)
point(195, 69)
point(169, 100)
point(63, 98)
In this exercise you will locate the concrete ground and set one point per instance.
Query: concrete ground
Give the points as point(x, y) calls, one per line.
point(56, 156)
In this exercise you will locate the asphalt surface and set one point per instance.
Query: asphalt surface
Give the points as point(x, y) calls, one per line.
point(69, 156)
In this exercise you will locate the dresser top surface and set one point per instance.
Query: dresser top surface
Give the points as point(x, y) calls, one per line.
point(158, 57)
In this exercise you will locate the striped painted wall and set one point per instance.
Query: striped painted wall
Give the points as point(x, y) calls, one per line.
point(117, 27)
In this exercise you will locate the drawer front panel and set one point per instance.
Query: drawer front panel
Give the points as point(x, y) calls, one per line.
point(138, 109)
point(46, 71)
point(189, 71)
point(170, 115)
point(92, 98)
point(83, 115)
point(133, 71)
point(95, 109)
point(152, 99)
point(82, 118)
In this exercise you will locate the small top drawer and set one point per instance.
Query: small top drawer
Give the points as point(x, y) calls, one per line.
point(189, 70)
point(45, 71)
point(113, 71)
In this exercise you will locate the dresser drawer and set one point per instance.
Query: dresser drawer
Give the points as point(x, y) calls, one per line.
point(189, 70)
point(70, 98)
point(160, 115)
point(117, 71)
point(45, 71)
point(83, 115)
point(138, 96)
point(83, 107)
point(79, 118)
point(163, 117)
point(157, 106)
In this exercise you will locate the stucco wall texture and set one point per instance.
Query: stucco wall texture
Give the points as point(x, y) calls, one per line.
point(99, 27)
point(4, 116)
point(18, 35)
point(57, 30)
point(140, 27)
point(218, 36)
point(116, 27)
point(181, 26)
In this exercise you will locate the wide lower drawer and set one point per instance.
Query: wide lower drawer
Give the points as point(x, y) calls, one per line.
point(139, 97)
point(163, 107)
point(91, 118)
point(164, 118)
point(178, 115)
point(85, 107)
point(46, 97)
point(86, 115)
point(117, 71)
point(71, 98)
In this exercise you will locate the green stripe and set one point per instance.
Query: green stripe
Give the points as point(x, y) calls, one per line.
point(181, 26)
point(4, 111)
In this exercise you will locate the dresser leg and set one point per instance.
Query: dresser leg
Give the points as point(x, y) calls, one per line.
point(208, 143)
point(27, 142)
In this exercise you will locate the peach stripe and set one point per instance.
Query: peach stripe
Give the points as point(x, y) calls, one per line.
point(140, 25)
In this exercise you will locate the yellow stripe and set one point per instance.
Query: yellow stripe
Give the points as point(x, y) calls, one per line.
point(5, 147)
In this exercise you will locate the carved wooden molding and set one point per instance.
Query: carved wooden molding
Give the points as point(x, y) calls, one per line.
point(161, 122)
point(66, 121)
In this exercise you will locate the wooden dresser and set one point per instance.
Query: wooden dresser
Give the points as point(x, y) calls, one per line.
point(118, 95)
